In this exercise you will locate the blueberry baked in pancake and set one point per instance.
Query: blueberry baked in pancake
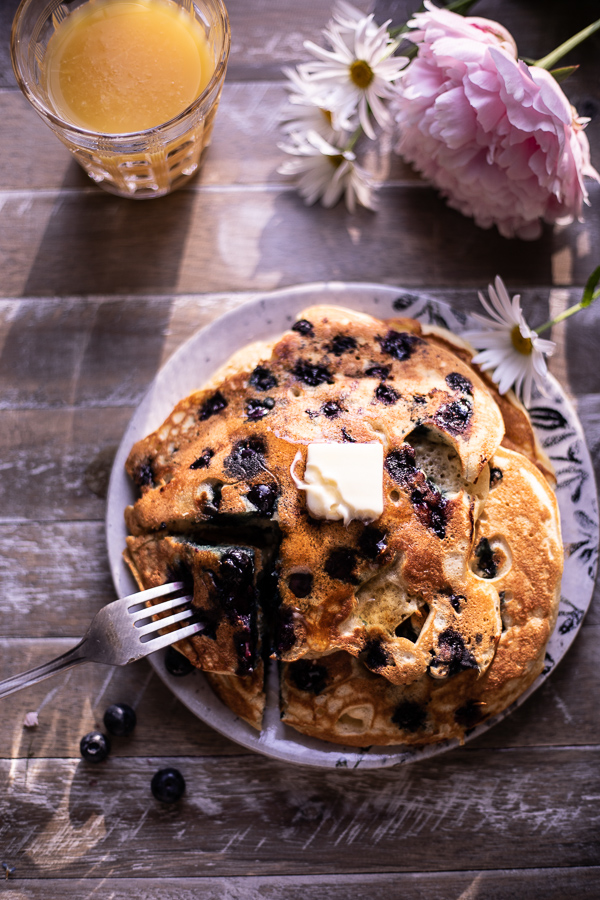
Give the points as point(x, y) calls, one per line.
point(355, 504)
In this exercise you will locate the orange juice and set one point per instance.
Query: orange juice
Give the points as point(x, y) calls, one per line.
point(120, 66)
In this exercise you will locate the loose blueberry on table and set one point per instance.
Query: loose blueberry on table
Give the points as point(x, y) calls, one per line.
point(167, 785)
point(94, 746)
point(120, 719)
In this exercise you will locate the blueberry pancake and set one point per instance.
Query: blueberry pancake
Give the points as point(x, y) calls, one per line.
point(223, 583)
point(518, 430)
point(244, 695)
point(518, 552)
point(225, 457)
point(401, 604)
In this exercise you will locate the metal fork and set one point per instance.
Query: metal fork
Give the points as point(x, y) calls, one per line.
point(120, 633)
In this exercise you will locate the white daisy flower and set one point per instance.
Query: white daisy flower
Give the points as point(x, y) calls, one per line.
point(359, 69)
point(325, 172)
point(346, 18)
point(509, 346)
point(311, 112)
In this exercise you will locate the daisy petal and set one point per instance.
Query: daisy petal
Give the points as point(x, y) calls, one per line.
point(518, 364)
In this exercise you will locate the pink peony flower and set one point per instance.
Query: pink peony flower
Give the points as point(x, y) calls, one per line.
point(498, 138)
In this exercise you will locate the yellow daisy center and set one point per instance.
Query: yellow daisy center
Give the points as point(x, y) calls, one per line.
point(336, 161)
point(327, 115)
point(361, 74)
point(521, 344)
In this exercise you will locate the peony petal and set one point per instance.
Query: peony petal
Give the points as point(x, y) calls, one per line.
point(509, 73)
point(455, 120)
point(450, 50)
point(422, 80)
point(489, 108)
point(551, 98)
point(496, 137)
point(484, 80)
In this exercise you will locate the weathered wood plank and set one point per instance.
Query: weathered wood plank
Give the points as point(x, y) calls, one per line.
point(8, 9)
point(104, 351)
point(588, 408)
point(249, 815)
point(56, 465)
point(271, 33)
point(74, 702)
point(249, 119)
point(166, 247)
point(54, 577)
point(268, 35)
point(524, 884)
point(94, 352)
point(90, 352)
point(243, 150)
point(70, 704)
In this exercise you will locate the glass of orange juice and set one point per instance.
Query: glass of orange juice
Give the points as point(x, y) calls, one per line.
point(131, 87)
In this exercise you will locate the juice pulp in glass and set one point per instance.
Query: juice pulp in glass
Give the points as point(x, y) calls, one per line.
point(121, 66)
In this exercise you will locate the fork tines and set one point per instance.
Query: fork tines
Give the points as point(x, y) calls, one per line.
point(149, 628)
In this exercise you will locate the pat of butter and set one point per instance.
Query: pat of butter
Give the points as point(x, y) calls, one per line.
point(343, 481)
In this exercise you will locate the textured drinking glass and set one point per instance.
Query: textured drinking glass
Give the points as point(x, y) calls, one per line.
point(140, 164)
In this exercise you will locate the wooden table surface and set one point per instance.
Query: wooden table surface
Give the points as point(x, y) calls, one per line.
point(96, 292)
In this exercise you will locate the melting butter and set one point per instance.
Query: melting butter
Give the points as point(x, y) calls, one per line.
point(343, 481)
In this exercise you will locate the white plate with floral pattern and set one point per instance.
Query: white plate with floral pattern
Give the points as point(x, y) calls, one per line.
point(267, 316)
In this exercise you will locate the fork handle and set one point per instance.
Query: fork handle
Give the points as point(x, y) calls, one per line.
point(72, 657)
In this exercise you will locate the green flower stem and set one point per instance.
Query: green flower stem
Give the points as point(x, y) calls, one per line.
point(461, 6)
point(589, 295)
point(547, 62)
point(353, 139)
point(564, 315)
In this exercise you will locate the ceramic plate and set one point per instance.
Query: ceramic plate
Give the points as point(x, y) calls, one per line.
point(265, 317)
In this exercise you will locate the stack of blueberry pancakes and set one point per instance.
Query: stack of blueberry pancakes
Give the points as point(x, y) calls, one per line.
point(404, 617)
